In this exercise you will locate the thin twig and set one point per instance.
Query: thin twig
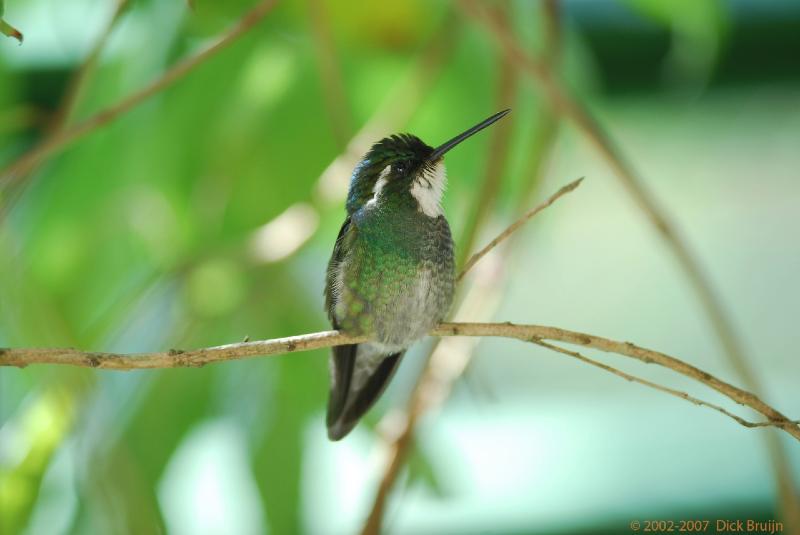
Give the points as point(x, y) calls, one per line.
point(628, 349)
point(645, 382)
point(79, 80)
point(553, 33)
point(330, 73)
point(51, 145)
point(175, 358)
point(516, 225)
point(547, 122)
point(497, 157)
point(69, 101)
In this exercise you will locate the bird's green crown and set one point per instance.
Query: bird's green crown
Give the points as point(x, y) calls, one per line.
point(397, 157)
point(404, 170)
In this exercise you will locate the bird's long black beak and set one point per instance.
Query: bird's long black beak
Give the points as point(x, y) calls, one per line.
point(439, 151)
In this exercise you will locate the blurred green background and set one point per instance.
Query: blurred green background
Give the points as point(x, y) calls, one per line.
point(207, 214)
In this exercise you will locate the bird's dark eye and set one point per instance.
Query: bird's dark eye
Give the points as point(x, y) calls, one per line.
point(399, 167)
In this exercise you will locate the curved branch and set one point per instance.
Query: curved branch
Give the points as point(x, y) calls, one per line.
point(176, 358)
point(537, 333)
point(656, 386)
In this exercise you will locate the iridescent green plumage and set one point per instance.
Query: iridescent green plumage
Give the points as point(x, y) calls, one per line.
point(391, 275)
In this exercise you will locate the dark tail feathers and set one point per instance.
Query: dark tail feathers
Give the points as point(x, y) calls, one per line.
point(345, 405)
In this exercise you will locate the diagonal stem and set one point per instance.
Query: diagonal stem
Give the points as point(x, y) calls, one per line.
point(515, 226)
point(51, 145)
point(330, 73)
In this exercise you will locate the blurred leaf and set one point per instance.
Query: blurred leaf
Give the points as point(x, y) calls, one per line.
point(208, 17)
point(387, 25)
point(6, 28)
point(698, 27)
point(688, 16)
point(298, 396)
point(277, 462)
point(36, 433)
point(127, 476)
point(215, 288)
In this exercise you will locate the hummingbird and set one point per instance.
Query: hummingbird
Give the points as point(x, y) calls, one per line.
point(392, 272)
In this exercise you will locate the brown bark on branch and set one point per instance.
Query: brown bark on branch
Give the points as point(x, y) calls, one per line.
point(176, 358)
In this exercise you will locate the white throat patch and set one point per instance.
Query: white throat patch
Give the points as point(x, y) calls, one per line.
point(428, 189)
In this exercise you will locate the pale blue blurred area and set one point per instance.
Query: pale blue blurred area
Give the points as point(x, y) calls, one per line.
point(56, 33)
point(208, 489)
point(62, 33)
point(57, 503)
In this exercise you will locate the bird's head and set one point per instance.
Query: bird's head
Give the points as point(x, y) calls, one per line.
point(403, 163)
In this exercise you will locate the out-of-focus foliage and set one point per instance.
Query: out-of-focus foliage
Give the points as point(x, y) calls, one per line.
point(199, 218)
point(6, 28)
point(698, 30)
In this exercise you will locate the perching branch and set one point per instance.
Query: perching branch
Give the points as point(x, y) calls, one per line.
point(175, 358)
point(200, 357)
point(535, 334)
point(57, 142)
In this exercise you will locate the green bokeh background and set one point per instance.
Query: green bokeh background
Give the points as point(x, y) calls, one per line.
point(200, 218)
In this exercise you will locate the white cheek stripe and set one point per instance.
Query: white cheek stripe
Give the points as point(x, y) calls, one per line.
point(428, 197)
point(379, 184)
